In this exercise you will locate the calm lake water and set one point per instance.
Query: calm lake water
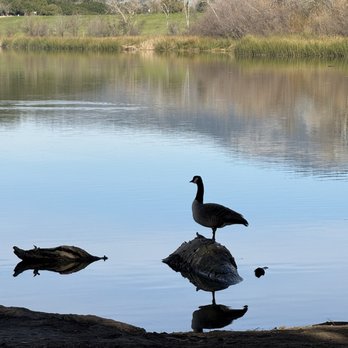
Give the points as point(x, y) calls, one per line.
point(97, 151)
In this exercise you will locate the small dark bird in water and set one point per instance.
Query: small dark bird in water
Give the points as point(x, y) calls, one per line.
point(260, 271)
point(211, 214)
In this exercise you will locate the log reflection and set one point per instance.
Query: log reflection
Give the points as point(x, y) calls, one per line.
point(62, 260)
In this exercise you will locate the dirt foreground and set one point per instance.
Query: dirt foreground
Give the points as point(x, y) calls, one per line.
point(20, 327)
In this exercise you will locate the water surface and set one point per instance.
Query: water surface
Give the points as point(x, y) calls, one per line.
point(98, 151)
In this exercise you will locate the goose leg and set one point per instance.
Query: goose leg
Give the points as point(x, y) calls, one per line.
point(214, 230)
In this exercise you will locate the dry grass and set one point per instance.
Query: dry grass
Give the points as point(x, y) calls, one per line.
point(250, 46)
point(292, 47)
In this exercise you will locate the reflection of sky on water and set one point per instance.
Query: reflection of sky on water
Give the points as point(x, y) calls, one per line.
point(94, 190)
point(105, 177)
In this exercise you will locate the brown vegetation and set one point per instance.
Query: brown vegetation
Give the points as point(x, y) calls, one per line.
point(235, 18)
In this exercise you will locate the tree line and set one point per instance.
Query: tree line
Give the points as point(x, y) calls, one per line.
point(100, 7)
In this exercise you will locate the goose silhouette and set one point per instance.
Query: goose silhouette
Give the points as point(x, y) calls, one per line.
point(213, 215)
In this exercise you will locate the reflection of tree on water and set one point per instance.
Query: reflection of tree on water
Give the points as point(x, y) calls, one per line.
point(292, 113)
point(209, 266)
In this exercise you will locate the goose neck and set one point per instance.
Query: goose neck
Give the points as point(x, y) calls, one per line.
point(200, 192)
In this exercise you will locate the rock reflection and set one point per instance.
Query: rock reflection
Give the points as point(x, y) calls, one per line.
point(209, 266)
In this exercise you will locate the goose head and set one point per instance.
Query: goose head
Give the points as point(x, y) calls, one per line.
point(196, 180)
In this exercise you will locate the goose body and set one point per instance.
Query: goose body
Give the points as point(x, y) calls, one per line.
point(213, 215)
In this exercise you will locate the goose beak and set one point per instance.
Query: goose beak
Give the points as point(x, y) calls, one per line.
point(191, 181)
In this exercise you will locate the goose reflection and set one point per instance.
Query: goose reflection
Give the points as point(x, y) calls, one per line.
point(215, 316)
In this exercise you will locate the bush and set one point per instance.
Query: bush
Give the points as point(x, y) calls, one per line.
point(51, 10)
point(91, 7)
point(66, 26)
point(102, 27)
point(235, 18)
point(33, 27)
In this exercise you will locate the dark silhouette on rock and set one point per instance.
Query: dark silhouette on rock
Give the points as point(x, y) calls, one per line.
point(213, 215)
point(206, 264)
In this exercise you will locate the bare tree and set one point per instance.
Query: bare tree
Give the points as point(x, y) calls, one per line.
point(127, 10)
point(171, 6)
point(165, 9)
point(187, 12)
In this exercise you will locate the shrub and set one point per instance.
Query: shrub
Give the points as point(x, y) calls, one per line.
point(235, 18)
point(33, 27)
point(102, 27)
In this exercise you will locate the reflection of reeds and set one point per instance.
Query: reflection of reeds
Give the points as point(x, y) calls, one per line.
point(292, 47)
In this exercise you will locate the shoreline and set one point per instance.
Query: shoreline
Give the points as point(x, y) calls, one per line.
point(276, 47)
point(26, 328)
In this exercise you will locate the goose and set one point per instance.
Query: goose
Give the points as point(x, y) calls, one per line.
point(213, 215)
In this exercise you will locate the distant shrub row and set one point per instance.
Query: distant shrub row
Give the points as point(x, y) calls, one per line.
point(72, 26)
point(51, 7)
point(74, 7)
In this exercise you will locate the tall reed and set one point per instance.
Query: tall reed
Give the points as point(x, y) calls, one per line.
point(292, 47)
point(63, 44)
point(249, 46)
point(193, 44)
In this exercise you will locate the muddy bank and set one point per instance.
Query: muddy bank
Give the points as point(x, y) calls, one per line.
point(20, 327)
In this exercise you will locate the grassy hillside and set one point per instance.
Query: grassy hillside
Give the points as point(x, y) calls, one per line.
point(104, 33)
point(149, 24)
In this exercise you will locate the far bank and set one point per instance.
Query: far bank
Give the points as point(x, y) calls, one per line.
point(276, 47)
